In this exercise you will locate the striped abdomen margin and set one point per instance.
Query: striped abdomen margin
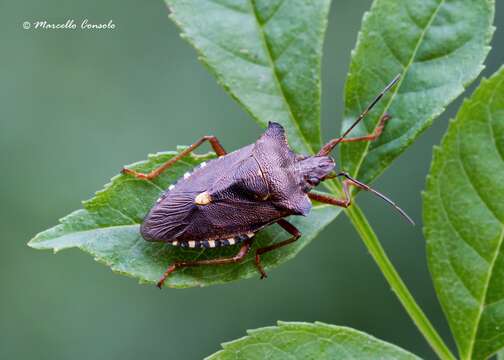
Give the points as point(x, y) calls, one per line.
point(212, 243)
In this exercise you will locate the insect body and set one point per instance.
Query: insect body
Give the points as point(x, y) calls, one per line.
point(229, 199)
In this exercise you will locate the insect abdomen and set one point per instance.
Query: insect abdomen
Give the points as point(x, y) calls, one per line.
point(212, 243)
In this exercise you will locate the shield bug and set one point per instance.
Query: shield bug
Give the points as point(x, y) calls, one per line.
point(229, 199)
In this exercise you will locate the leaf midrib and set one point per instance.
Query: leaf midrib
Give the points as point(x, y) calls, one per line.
point(485, 291)
point(399, 84)
point(275, 75)
point(34, 244)
point(483, 303)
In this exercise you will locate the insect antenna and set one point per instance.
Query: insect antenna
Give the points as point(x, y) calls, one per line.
point(326, 149)
point(363, 186)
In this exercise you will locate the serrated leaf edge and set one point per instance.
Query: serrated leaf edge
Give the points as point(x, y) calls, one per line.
point(430, 120)
point(438, 153)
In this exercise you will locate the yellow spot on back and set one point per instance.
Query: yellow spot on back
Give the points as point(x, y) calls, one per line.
point(203, 199)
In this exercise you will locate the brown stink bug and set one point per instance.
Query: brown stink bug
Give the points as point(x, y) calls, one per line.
point(229, 199)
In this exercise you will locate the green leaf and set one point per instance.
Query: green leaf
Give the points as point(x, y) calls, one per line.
point(108, 229)
point(266, 54)
point(464, 221)
point(296, 340)
point(438, 46)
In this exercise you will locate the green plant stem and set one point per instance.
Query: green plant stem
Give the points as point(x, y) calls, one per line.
point(415, 312)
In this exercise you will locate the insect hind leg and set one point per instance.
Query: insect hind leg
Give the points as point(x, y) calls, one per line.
point(291, 229)
point(214, 142)
point(244, 249)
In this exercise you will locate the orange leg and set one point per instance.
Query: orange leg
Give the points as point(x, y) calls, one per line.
point(371, 137)
point(327, 148)
point(287, 226)
point(217, 147)
point(331, 200)
point(244, 249)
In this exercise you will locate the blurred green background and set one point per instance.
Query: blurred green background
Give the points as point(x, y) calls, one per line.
point(77, 105)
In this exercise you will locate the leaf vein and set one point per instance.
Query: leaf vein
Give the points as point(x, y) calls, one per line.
point(495, 302)
point(456, 231)
point(228, 7)
point(485, 292)
point(273, 13)
point(276, 77)
point(474, 187)
point(285, 48)
point(410, 16)
point(442, 55)
point(491, 120)
point(403, 73)
point(122, 214)
point(391, 51)
point(236, 54)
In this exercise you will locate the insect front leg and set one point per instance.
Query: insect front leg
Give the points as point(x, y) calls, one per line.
point(327, 148)
point(331, 200)
point(287, 226)
point(371, 137)
point(216, 146)
point(244, 249)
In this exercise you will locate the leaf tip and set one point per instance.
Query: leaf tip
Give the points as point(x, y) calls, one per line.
point(35, 243)
point(31, 244)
